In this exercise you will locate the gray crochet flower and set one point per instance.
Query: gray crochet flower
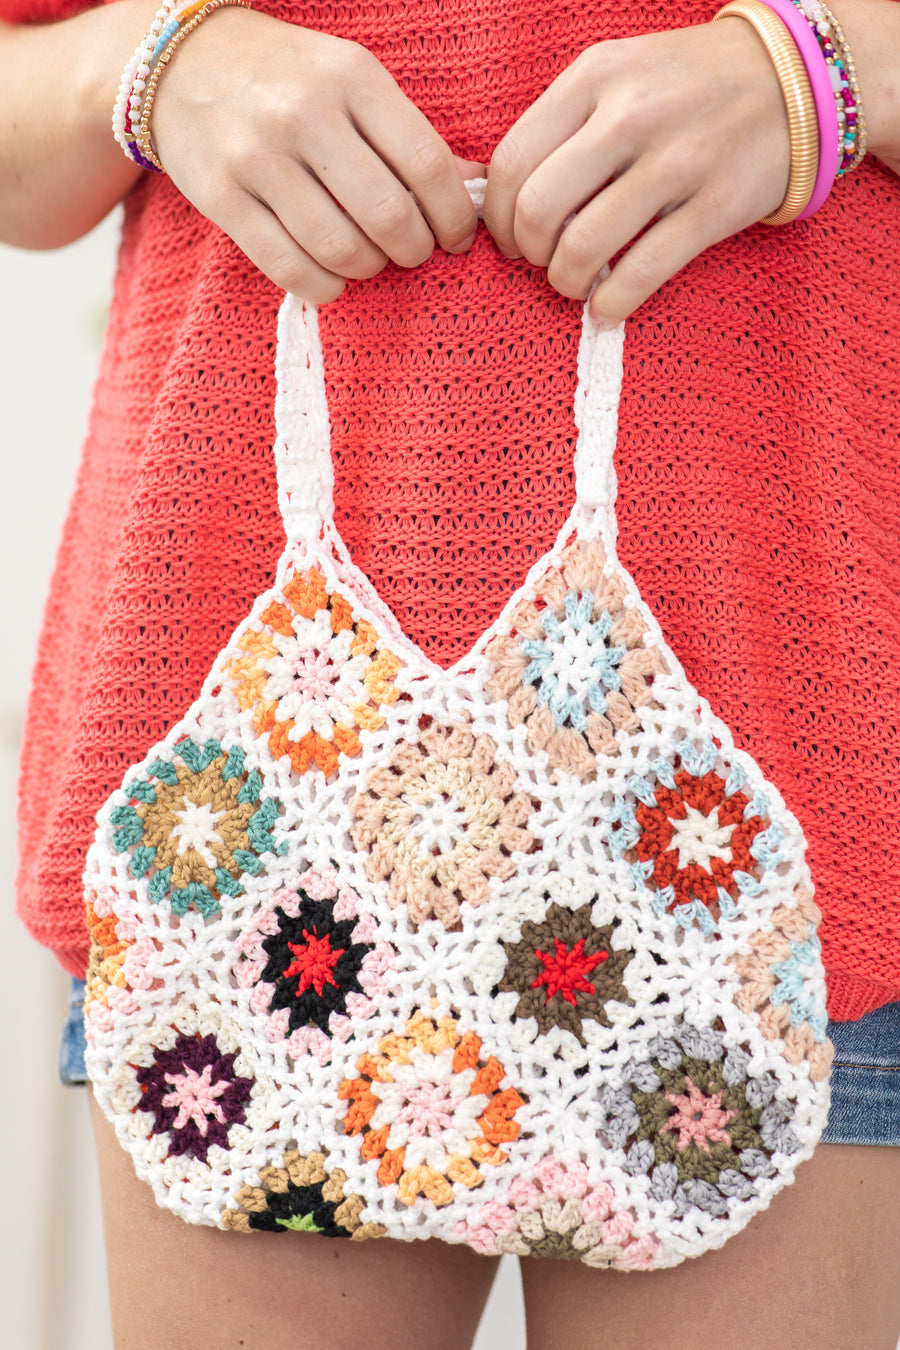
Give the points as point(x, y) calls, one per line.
point(694, 1122)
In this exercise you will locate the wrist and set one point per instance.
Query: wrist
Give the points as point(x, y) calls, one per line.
point(60, 167)
point(96, 81)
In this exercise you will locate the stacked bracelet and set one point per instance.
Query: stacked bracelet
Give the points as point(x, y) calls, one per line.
point(137, 89)
point(823, 95)
point(842, 72)
point(134, 76)
point(193, 21)
point(817, 75)
point(791, 70)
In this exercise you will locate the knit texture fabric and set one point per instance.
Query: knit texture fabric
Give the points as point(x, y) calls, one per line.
point(758, 460)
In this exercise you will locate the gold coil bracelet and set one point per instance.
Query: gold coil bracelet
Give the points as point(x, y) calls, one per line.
point(798, 98)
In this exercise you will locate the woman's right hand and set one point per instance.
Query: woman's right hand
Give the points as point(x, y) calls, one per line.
point(305, 151)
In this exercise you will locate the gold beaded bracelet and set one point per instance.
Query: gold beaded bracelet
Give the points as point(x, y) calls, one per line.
point(143, 137)
point(798, 98)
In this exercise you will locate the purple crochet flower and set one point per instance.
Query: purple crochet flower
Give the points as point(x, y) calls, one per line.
point(194, 1094)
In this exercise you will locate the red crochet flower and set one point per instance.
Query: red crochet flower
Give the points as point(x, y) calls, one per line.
point(565, 969)
point(697, 838)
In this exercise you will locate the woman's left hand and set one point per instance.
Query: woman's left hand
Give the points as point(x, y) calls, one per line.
point(682, 135)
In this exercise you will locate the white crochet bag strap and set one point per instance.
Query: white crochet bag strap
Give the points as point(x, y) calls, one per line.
point(303, 444)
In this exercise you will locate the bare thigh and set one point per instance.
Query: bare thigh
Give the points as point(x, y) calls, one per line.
point(176, 1286)
point(819, 1270)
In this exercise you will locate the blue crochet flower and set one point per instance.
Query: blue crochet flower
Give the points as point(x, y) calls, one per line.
point(793, 987)
point(572, 667)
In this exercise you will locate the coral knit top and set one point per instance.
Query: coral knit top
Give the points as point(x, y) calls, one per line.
point(758, 461)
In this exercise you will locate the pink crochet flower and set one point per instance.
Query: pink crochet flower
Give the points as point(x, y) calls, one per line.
point(557, 1213)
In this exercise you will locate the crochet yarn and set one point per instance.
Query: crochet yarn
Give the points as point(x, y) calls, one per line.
point(519, 953)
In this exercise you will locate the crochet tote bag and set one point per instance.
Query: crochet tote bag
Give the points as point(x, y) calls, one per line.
point(520, 954)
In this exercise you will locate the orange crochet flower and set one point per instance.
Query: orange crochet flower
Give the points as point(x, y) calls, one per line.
point(311, 677)
point(107, 955)
point(430, 1111)
point(697, 837)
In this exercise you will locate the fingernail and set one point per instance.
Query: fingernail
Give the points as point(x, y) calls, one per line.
point(466, 243)
point(509, 253)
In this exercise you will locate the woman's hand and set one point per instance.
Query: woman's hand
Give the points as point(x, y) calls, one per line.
point(684, 132)
point(304, 150)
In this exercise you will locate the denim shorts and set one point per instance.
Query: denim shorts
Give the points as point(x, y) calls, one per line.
point(865, 1081)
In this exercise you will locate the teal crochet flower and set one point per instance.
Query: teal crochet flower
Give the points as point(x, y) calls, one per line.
point(196, 824)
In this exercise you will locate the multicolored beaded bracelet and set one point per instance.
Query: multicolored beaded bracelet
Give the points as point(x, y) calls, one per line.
point(137, 70)
point(845, 85)
point(142, 131)
point(174, 19)
point(799, 101)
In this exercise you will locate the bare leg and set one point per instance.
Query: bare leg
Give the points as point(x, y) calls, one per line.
point(819, 1270)
point(175, 1286)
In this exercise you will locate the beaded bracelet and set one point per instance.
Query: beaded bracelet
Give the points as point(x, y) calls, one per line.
point(798, 97)
point(142, 133)
point(842, 72)
point(174, 19)
point(136, 71)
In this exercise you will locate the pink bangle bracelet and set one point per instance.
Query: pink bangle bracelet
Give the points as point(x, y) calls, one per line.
point(823, 93)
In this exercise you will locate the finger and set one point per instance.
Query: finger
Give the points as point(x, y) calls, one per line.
point(558, 114)
point(560, 189)
point(668, 246)
point(314, 219)
point(423, 162)
point(605, 225)
point(470, 168)
point(268, 245)
point(372, 195)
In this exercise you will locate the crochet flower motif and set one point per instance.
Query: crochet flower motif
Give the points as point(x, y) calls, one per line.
point(695, 838)
point(107, 952)
point(196, 825)
point(556, 1212)
point(695, 1122)
point(119, 962)
point(301, 1197)
point(780, 981)
point(430, 1111)
point(575, 667)
point(312, 678)
point(440, 821)
point(313, 964)
point(194, 1094)
point(565, 970)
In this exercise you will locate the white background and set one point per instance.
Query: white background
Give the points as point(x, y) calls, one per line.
point(52, 1272)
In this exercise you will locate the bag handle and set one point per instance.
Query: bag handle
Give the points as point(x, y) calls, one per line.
point(303, 445)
